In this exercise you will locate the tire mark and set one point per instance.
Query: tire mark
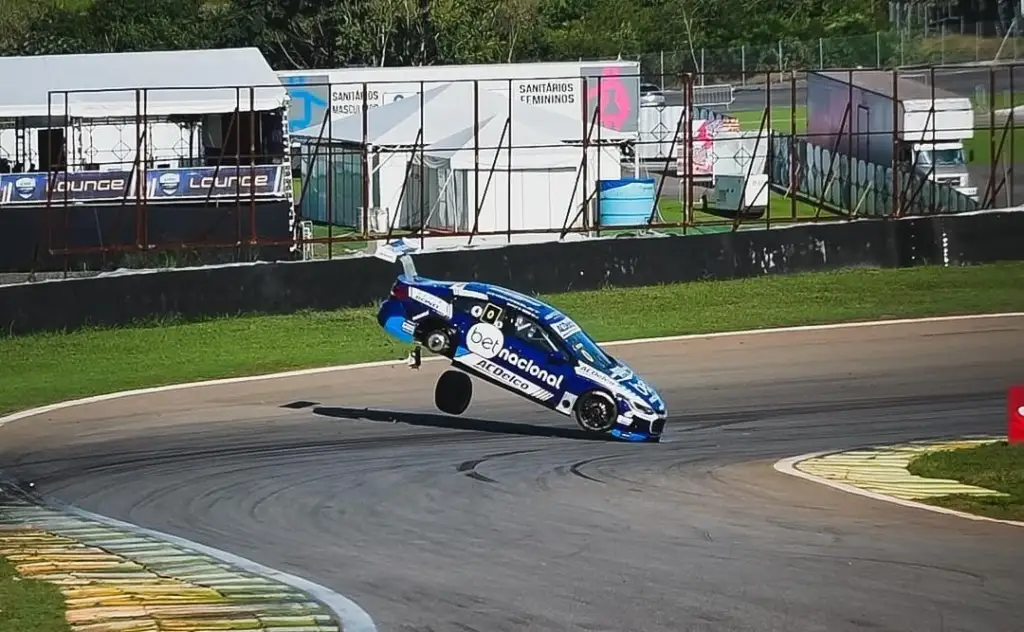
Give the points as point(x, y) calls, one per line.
point(576, 471)
point(469, 467)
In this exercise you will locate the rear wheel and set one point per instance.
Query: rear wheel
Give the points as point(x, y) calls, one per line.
point(596, 411)
point(453, 392)
point(437, 338)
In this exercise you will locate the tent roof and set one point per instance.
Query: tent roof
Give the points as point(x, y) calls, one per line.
point(532, 147)
point(444, 113)
point(179, 82)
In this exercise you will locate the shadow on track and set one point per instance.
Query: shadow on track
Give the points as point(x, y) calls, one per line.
point(458, 423)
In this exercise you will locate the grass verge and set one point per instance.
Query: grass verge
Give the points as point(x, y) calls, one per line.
point(998, 466)
point(29, 605)
point(45, 368)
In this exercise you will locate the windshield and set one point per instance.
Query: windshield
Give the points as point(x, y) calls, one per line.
point(586, 350)
point(943, 157)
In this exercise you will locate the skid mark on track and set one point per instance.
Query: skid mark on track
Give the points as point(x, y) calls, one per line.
point(469, 467)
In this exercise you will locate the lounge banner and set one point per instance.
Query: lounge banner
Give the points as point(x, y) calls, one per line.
point(268, 181)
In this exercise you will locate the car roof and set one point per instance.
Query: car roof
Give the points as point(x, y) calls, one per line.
point(500, 295)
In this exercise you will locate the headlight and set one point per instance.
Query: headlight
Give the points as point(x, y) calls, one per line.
point(644, 408)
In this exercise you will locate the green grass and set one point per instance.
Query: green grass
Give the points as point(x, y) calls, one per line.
point(44, 368)
point(1006, 145)
point(780, 208)
point(29, 605)
point(781, 119)
point(997, 466)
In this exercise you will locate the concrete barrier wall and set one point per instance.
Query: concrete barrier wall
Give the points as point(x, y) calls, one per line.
point(28, 234)
point(544, 268)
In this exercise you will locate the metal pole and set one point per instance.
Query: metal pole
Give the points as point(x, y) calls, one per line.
point(365, 159)
point(252, 166)
point(1011, 125)
point(476, 156)
point(688, 150)
point(238, 171)
point(508, 171)
point(792, 149)
point(583, 166)
point(597, 179)
point(144, 170)
point(896, 163)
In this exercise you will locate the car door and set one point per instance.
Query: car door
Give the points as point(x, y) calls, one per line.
point(531, 352)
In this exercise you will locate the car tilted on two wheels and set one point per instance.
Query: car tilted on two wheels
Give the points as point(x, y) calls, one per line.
point(522, 345)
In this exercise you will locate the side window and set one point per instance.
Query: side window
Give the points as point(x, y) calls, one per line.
point(527, 330)
point(479, 310)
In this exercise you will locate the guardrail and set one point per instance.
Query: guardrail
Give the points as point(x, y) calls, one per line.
point(119, 299)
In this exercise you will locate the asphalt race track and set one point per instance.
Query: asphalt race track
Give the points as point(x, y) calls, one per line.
point(510, 520)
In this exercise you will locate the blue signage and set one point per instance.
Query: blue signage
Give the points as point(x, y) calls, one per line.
point(309, 96)
point(188, 183)
point(266, 180)
point(77, 186)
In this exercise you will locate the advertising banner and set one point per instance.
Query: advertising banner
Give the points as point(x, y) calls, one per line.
point(616, 91)
point(268, 181)
point(309, 96)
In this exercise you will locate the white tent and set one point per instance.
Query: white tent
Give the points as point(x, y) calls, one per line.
point(445, 110)
point(495, 140)
point(539, 182)
point(517, 176)
point(104, 84)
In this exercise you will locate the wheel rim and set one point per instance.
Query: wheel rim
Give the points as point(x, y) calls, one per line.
point(436, 341)
point(596, 413)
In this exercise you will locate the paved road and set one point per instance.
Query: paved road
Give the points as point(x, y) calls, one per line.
point(509, 520)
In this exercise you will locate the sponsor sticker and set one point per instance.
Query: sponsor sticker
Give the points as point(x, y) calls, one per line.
point(565, 328)
point(492, 313)
point(512, 380)
point(435, 303)
point(529, 367)
point(485, 340)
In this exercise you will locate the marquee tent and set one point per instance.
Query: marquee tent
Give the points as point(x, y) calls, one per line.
point(445, 110)
point(533, 189)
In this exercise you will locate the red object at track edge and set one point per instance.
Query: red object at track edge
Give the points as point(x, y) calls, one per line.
point(1015, 415)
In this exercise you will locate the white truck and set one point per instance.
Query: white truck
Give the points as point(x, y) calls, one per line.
point(931, 124)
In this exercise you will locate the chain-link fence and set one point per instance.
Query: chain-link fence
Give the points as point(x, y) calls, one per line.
point(963, 43)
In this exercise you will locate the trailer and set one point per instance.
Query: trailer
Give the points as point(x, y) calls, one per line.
point(563, 87)
point(862, 114)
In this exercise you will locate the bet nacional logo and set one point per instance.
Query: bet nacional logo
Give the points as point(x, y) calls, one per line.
point(485, 340)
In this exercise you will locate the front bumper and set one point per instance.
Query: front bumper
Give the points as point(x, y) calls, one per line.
point(639, 430)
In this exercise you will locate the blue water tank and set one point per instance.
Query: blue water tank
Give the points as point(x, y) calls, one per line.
point(625, 202)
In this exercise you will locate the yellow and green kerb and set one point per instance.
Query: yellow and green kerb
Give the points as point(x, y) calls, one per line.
point(119, 581)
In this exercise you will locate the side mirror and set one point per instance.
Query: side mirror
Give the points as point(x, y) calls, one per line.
point(970, 155)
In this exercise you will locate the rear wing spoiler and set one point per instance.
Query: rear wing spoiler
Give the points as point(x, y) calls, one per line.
point(398, 251)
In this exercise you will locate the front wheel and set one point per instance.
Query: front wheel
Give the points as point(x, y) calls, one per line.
point(596, 412)
point(453, 392)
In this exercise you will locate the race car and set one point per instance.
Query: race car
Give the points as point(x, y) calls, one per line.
point(518, 343)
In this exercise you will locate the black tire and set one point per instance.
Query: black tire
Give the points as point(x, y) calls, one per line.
point(453, 392)
point(596, 411)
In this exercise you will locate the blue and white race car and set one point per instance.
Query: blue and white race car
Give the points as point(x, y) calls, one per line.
point(520, 344)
